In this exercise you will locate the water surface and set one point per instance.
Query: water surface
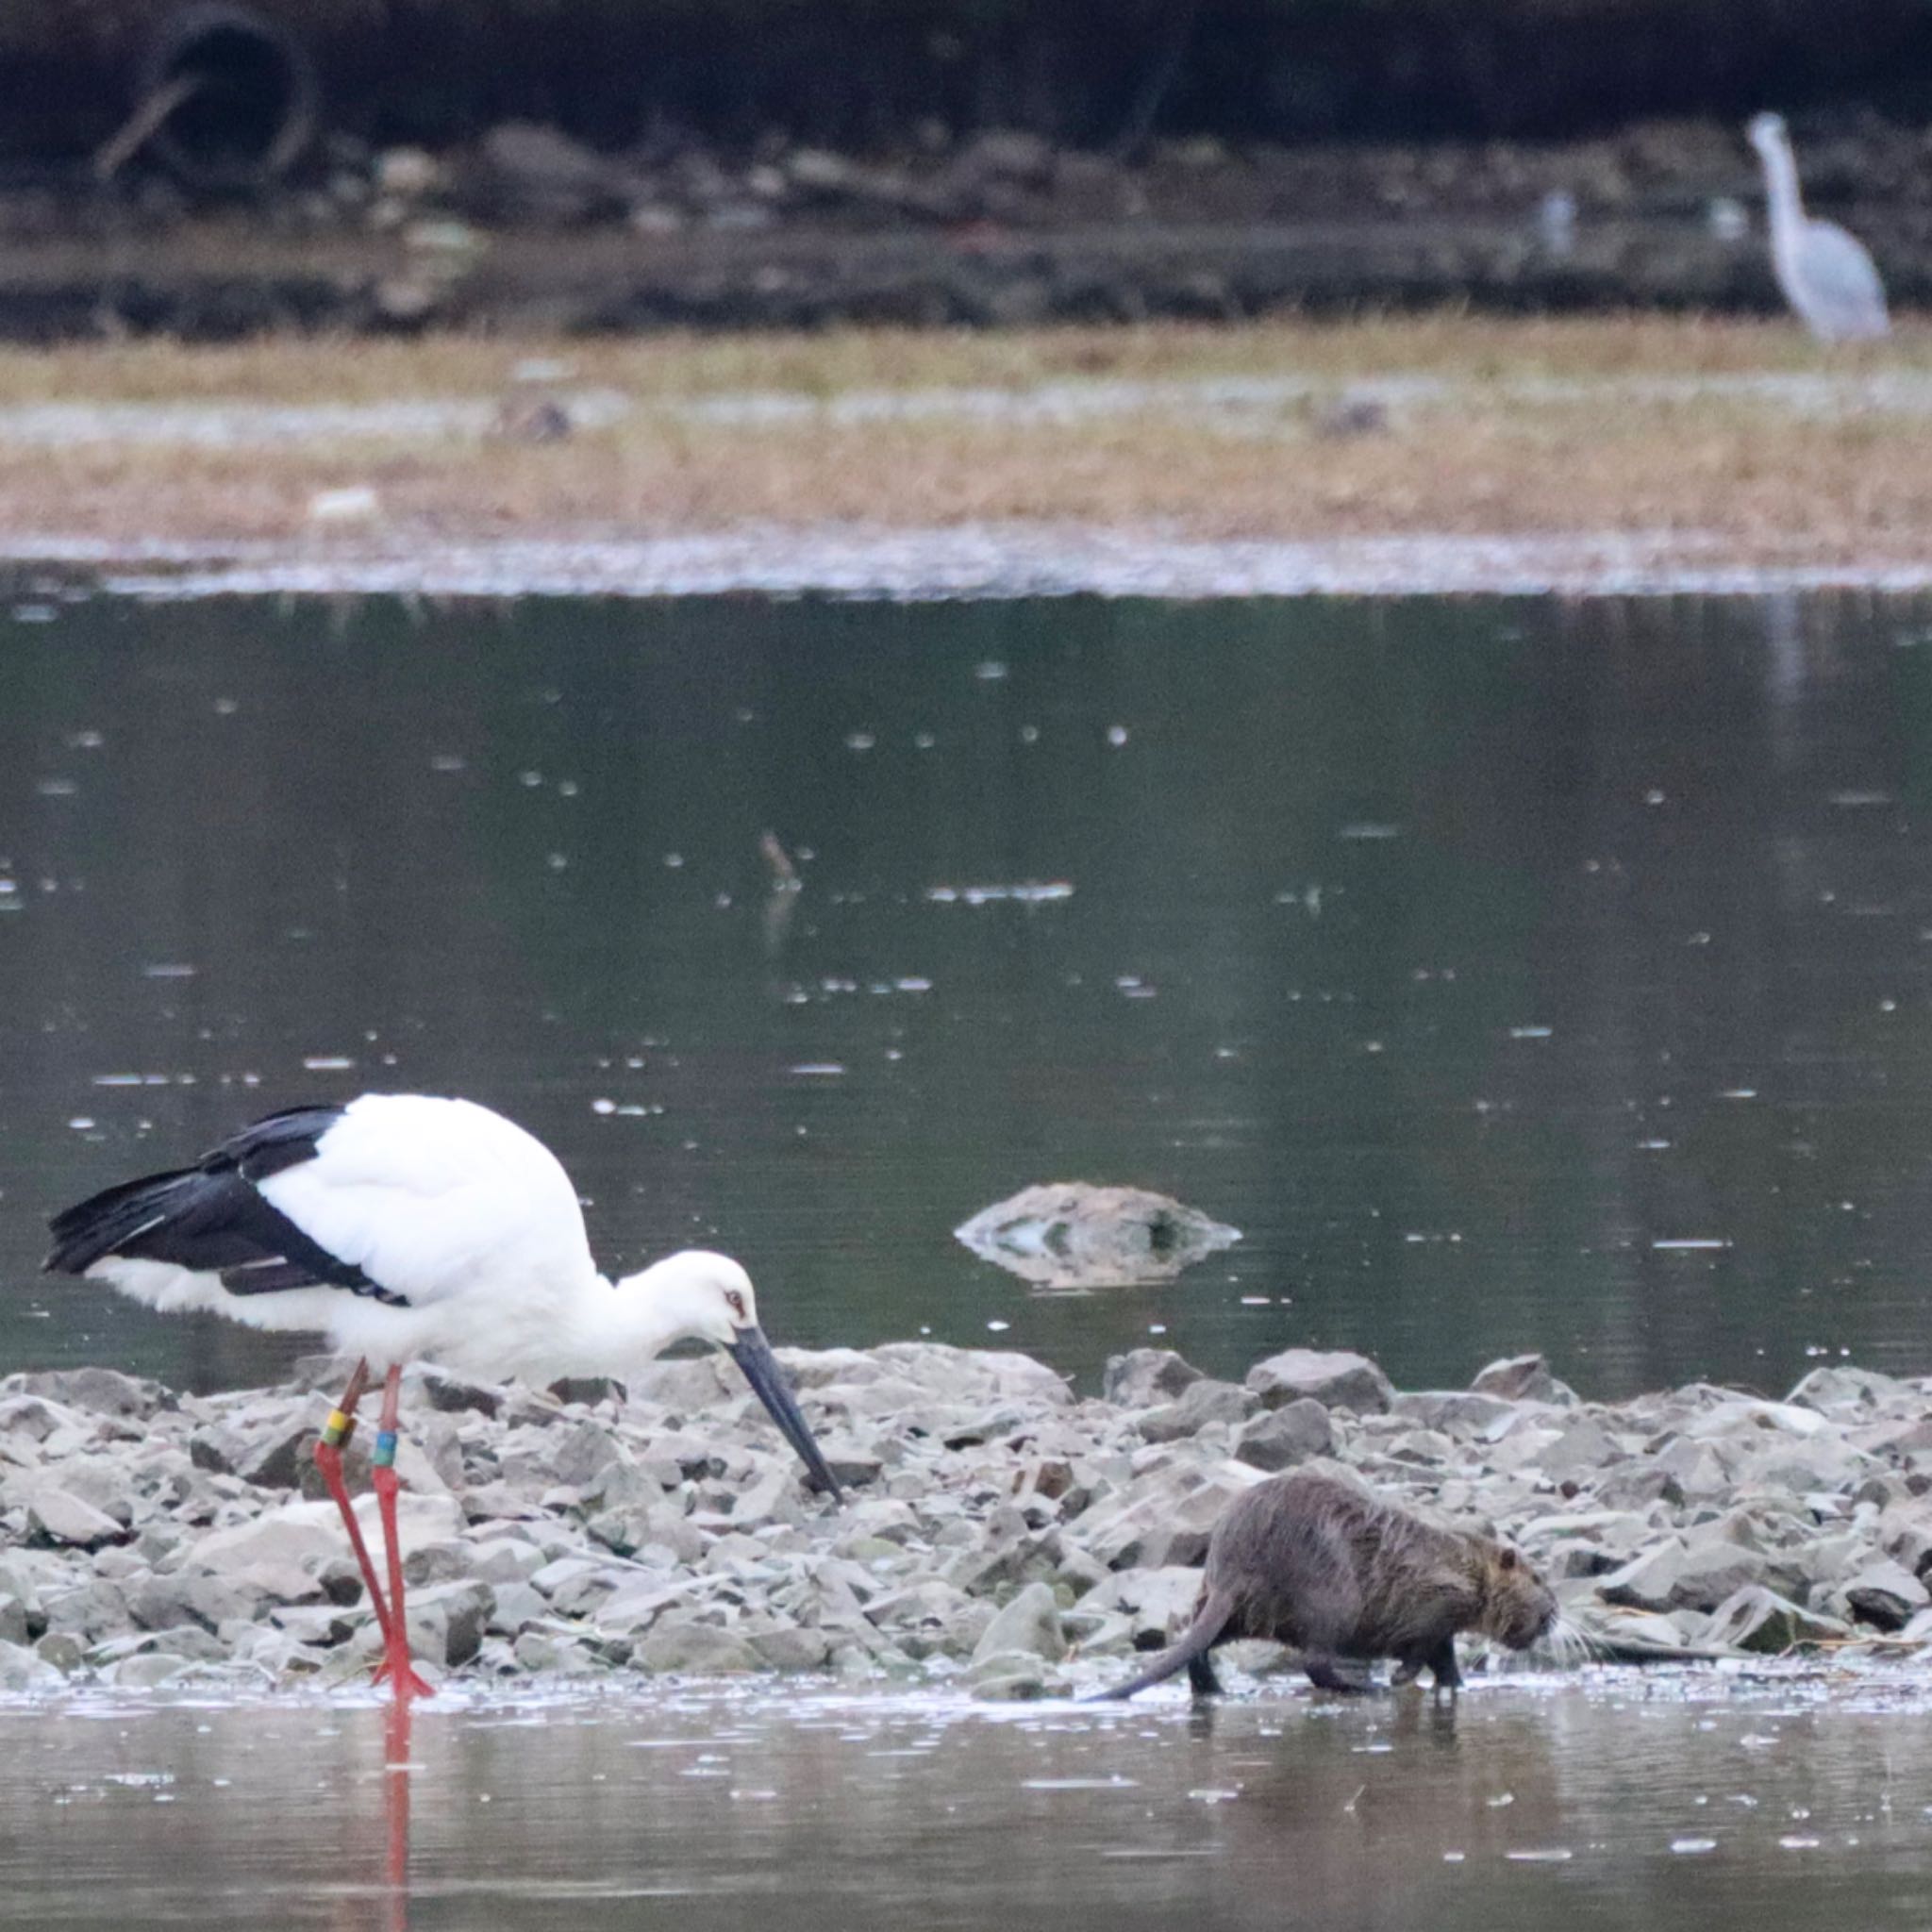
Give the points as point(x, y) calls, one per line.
point(1653, 1801)
point(1515, 973)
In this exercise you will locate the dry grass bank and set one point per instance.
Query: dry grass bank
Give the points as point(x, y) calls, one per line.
point(1492, 428)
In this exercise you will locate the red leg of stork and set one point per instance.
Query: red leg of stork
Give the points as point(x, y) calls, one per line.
point(403, 1680)
point(328, 1459)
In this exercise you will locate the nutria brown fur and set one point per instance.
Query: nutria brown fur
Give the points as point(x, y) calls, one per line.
point(1315, 1562)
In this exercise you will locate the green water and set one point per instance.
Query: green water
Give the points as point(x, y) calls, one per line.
point(1466, 955)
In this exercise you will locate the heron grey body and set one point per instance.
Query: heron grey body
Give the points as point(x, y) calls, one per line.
point(1825, 272)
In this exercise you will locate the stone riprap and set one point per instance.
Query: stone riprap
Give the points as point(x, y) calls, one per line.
point(1001, 1532)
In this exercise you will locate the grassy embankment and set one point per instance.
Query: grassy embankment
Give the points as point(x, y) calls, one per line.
point(1535, 426)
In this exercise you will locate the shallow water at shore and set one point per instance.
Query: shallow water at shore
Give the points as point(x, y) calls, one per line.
point(1667, 1799)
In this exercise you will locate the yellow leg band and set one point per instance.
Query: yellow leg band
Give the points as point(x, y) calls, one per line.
point(336, 1431)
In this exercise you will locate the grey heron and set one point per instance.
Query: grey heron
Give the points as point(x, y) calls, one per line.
point(1826, 274)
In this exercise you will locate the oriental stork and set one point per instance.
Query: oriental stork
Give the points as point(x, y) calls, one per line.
point(402, 1226)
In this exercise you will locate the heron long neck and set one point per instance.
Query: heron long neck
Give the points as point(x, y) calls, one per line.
point(1781, 189)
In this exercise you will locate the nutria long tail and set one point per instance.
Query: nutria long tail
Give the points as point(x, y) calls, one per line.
point(1189, 1653)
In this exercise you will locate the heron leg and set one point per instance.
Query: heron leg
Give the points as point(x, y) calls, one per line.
point(403, 1680)
point(328, 1459)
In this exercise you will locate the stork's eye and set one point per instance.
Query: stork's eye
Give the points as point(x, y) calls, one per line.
point(735, 1302)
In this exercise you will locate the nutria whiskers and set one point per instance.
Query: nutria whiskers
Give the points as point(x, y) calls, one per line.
point(1314, 1562)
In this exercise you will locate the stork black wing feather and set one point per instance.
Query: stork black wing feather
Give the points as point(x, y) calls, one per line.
point(212, 1218)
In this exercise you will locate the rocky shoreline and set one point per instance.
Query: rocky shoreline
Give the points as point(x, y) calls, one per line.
point(1002, 1534)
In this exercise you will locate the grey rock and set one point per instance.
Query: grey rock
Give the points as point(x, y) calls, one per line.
point(1460, 1413)
point(1886, 1595)
point(790, 1649)
point(34, 1419)
point(555, 1653)
point(146, 1670)
point(55, 1516)
point(1851, 1394)
point(13, 1621)
point(1010, 1676)
point(582, 1452)
point(196, 1597)
point(1759, 1619)
point(1335, 1378)
point(1030, 1624)
point(453, 1395)
point(1008, 1555)
point(59, 1649)
point(1146, 1376)
point(1676, 1576)
point(1200, 1404)
point(505, 1560)
point(1522, 1378)
point(1280, 1438)
point(104, 1391)
point(628, 1532)
point(679, 1646)
point(932, 1617)
point(1158, 1604)
point(446, 1623)
point(1162, 1518)
point(585, 1391)
point(1647, 1581)
point(513, 1606)
point(1071, 1234)
point(853, 1463)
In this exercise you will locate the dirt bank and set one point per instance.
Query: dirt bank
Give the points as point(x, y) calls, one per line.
point(1449, 453)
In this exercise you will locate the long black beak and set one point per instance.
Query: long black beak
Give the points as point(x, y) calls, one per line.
point(753, 1354)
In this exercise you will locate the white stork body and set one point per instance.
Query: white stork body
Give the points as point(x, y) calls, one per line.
point(464, 1217)
point(403, 1226)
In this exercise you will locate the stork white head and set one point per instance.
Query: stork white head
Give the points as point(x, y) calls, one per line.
point(700, 1295)
point(1767, 133)
point(708, 1297)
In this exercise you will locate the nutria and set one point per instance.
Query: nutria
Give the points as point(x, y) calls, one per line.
point(1313, 1561)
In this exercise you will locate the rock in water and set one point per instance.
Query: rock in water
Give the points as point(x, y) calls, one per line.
point(1071, 1234)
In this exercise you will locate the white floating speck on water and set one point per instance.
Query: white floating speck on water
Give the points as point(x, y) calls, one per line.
point(1029, 892)
point(1366, 829)
point(1531, 1032)
point(169, 972)
point(819, 1069)
point(1691, 1846)
point(1691, 1244)
point(861, 741)
point(326, 1063)
point(999, 1327)
point(1554, 1855)
point(990, 672)
point(601, 1106)
point(1797, 1841)
point(1116, 735)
